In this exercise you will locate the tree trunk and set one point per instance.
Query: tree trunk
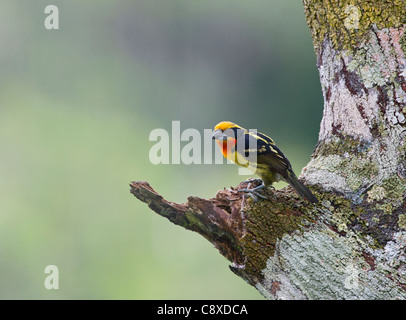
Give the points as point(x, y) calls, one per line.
point(352, 244)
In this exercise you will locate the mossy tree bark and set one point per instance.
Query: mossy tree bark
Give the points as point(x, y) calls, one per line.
point(352, 244)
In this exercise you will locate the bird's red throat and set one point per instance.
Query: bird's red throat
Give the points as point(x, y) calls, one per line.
point(226, 145)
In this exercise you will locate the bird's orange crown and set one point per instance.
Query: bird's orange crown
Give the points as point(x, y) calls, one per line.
point(224, 125)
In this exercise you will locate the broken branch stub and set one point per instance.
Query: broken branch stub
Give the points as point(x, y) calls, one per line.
point(244, 231)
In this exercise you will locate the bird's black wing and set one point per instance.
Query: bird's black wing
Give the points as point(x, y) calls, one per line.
point(260, 149)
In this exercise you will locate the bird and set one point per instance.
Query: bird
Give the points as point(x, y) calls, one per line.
point(258, 153)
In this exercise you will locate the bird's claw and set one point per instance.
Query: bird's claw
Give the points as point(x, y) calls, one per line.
point(253, 192)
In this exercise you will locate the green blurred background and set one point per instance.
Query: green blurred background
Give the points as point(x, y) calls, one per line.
point(77, 106)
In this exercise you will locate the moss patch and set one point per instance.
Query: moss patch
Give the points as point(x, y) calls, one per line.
point(402, 221)
point(358, 172)
point(347, 22)
point(341, 145)
point(402, 42)
point(395, 188)
point(265, 227)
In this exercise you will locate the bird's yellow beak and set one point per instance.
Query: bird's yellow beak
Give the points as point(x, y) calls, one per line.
point(219, 135)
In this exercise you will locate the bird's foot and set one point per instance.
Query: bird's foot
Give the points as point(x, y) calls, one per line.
point(251, 180)
point(254, 192)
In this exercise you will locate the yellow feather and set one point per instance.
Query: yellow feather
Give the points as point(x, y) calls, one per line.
point(224, 125)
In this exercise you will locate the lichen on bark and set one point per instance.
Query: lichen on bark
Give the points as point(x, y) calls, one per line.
point(347, 22)
point(363, 125)
point(361, 152)
point(267, 221)
point(321, 264)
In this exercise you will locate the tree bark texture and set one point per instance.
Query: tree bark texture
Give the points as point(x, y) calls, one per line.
point(352, 244)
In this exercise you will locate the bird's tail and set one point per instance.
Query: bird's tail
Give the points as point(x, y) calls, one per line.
point(300, 188)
